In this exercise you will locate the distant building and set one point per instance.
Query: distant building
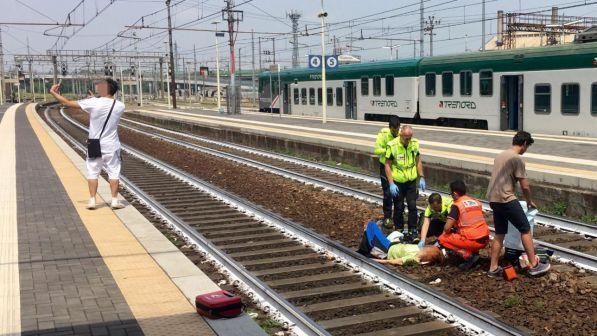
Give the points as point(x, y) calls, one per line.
point(523, 30)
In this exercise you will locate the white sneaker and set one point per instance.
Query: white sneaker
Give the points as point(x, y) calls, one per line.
point(91, 204)
point(116, 204)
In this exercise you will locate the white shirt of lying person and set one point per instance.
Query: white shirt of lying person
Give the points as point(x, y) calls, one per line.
point(98, 109)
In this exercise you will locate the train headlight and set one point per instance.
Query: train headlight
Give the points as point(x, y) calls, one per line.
point(595, 61)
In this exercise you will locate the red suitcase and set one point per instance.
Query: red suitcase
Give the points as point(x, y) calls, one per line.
point(220, 304)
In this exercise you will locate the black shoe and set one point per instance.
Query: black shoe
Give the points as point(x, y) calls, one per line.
point(498, 273)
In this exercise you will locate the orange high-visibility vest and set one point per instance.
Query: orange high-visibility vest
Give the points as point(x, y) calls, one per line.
point(471, 222)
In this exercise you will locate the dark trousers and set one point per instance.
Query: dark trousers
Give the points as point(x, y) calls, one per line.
point(385, 187)
point(436, 226)
point(409, 192)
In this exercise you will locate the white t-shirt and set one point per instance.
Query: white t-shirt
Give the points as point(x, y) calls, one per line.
point(98, 109)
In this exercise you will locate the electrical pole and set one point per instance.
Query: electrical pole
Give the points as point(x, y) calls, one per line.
point(31, 81)
point(218, 97)
point(232, 16)
point(294, 16)
point(322, 16)
point(483, 26)
point(422, 30)
point(195, 70)
point(172, 86)
point(239, 67)
point(430, 25)
point(253, 66)
point(274, 49)
point(161, 78)
point(259, 52)
point(55, 67)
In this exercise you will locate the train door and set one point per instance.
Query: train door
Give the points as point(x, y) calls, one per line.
point(286, 100)
point(350, 89)
point(511, 102)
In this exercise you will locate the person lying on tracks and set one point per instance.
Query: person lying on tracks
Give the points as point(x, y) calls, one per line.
point(375, 245)
point(434, 217)
point(104, 114)
point(466, 232)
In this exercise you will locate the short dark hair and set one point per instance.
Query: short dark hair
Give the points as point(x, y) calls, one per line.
point(113, 86)
point(458, 187)
point(435, 198)
point(394, 122)
point(522, 138)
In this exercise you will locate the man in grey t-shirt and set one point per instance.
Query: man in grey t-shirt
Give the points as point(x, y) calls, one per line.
point(509, 169)
point(99, 109)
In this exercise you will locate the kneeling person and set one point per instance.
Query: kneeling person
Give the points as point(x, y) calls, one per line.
point(435, 216)
point(466, 232)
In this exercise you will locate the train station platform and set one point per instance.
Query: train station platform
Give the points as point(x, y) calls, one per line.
point(65, 270)
point(559, 160)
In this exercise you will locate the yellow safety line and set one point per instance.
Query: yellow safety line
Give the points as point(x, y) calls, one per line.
point(10, 295)
point(155, 301)
point(344, 140)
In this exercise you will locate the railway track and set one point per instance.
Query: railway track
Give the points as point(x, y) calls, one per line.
point(318, 286)
point(571, 241)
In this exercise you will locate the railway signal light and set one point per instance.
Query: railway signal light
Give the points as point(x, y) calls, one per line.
point(63, 68)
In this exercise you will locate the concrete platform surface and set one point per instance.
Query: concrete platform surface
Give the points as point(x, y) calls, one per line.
point(66, 270)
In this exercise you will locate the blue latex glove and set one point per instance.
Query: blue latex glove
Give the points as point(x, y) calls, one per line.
point(421, 244)
point(422, 184)
point(394, 190)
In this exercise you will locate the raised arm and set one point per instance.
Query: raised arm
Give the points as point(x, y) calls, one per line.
point(55, 91)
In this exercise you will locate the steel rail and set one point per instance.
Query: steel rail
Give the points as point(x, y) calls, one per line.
point(290, 312)
point(440, 303)
point(577, 258)
point(543, 219)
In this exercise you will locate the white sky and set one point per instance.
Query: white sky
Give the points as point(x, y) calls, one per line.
point(386, 19)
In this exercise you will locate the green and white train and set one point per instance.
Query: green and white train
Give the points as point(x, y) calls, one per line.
point(550, 90)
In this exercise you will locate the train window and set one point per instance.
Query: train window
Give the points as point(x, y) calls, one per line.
point(570, 98)
point(486, 83)
point(319, 97)
point(304, 96)
point(430, 84)
point(364, 86)
point(447, 83)
point(389, 85)
point(339, 96)
point(330, 96)
point(311, 96)
point(594, 99)
point(295, 95)
point(376, 85)
point(543, 98)
point(466, 83)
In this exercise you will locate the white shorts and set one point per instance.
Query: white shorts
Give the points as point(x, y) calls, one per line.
point(110, 162)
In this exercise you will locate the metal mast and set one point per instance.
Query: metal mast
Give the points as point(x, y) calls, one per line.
point(294, 16)
point(171, 71)
point(422, 30)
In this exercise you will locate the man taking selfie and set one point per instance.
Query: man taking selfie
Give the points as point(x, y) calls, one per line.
point(103, 145)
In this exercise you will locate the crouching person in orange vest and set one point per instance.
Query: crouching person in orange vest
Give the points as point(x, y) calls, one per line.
point(466, 231)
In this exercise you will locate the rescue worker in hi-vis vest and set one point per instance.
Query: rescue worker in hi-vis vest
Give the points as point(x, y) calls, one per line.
point(403, 166)
point(466, 231)
point(384, 136)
